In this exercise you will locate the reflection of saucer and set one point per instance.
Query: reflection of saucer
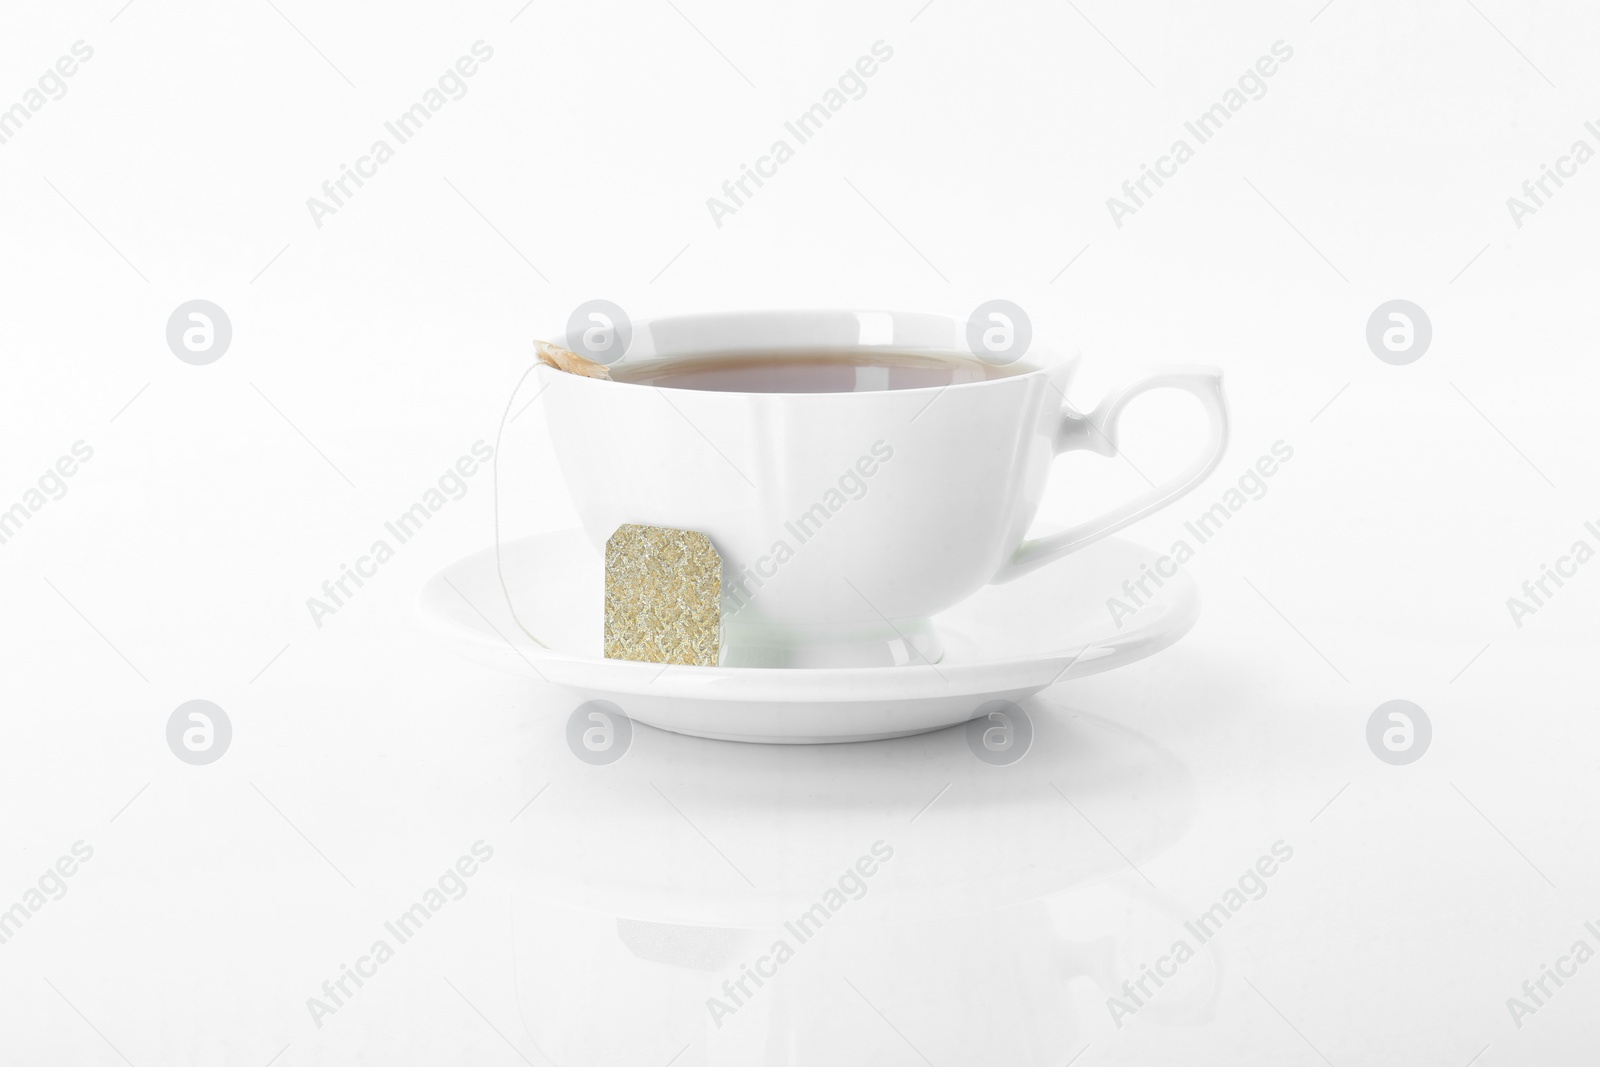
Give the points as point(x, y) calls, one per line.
point(1003, 642)
point(690, 832)
point(652, 880)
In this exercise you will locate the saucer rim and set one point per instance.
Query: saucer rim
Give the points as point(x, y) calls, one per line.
point(1180, 610)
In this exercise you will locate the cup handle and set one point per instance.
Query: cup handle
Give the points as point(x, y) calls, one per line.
point(1097, 432)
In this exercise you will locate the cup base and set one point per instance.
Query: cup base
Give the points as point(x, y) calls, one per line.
point(892, 643)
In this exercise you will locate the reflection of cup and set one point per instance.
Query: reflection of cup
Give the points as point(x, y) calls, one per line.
point(1004, 986)
point(844, 519)
point(934, 979)
point(985, 988)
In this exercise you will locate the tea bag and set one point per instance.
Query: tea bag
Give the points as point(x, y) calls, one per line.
point(565, 359)
point(663, 596)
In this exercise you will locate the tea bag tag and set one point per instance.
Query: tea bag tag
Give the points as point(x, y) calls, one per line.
point(663, 596)
point(564, 359)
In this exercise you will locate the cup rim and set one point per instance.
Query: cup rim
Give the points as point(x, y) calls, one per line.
point(1059, 360)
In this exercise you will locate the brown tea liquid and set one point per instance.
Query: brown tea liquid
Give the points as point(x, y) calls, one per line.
point(811, 371)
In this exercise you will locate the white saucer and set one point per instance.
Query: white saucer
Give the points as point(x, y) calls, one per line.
point(1004, 642)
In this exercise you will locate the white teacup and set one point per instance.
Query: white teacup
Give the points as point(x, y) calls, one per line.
point(845, 519)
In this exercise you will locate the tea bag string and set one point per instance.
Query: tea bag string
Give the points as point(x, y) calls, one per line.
point(495, 473)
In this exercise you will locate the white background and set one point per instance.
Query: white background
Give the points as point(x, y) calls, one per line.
point(369, 353)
